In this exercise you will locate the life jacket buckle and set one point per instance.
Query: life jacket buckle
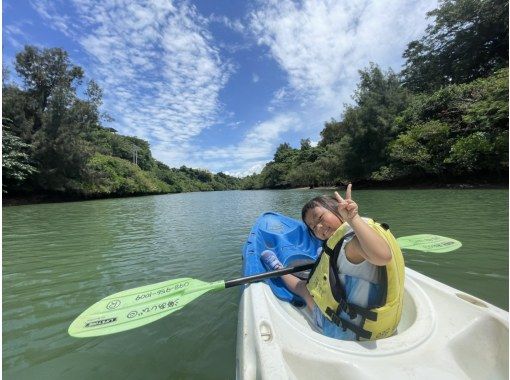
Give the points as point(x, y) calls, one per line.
point(335, 318)
point(343, 305)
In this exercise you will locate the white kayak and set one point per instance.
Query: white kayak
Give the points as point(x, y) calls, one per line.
point(443, 334)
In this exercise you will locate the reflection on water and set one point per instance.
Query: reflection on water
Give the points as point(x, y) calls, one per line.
point(58, 259)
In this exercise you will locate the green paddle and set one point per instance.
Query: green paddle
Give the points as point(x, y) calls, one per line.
point(139, 306)
point(429, 243)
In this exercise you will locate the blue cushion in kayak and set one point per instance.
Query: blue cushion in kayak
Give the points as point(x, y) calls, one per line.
point(289, 239)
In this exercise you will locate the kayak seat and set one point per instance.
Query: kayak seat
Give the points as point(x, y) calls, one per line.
point(289, 239)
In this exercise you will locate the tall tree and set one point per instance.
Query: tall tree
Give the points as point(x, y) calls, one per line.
point(307, 153)
point(370, 122)
point(468, 40)
point(61, 121)
point(284, 153)
point(44, 72)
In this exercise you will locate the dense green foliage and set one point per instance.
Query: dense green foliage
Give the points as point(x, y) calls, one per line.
point(460, 130)
point(456, 133)
point(444, 118)
point(55, 141)
point(114, 175)
point(468, 40)
point(16, 165)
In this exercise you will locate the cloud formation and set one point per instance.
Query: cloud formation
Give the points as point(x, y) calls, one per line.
point(255, 150)
point(321, 44)
point(156, 62)
point(162, 69)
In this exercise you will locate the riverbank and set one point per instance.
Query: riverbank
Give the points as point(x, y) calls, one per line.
point(459, 186)
point(416, 185)
point(26, 199)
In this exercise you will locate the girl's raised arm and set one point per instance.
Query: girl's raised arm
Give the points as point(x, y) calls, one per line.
point(373, 247)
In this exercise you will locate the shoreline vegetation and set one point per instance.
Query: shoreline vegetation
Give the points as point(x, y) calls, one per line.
point(434, 124)
point(29, 199)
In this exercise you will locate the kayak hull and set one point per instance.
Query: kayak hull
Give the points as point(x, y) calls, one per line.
point(443, 334)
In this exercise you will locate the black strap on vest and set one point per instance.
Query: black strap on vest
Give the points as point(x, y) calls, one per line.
point(334, 279)
point(338, 290)
point(345, 324)
point(314, 268)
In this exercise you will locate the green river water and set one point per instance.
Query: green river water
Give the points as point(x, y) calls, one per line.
point(58, 259)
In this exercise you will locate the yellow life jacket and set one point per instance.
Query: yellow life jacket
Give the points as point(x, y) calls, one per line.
point(378, 321)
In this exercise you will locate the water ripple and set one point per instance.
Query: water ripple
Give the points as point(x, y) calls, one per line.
point(58, 259)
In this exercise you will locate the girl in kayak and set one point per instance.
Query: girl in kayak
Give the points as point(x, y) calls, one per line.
point(355, 290)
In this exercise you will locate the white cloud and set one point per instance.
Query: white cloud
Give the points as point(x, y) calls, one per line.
point(280, 94)
point(255, 78)
point(49, 11)
point(246, 157)
point(11, 35)
point(235, 25)
point(249, 170)
point(283, 98)
point(157, 63)
point(322, 44)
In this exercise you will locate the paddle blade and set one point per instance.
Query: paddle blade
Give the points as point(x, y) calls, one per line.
point(429, 243)
point(139, 306)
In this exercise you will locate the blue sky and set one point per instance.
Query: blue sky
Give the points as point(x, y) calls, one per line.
point(218, 85)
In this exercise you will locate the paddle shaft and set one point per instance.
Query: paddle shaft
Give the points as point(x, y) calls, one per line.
point(262, 276)
point(429, 243)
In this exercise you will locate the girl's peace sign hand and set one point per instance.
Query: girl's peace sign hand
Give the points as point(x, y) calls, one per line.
point(347, 208)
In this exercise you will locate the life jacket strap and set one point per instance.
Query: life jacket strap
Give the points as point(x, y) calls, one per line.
point(335, 283)
point(312, 271)
point(346, 307)
point(364, 312)
point(344, 324)
point(354, 310)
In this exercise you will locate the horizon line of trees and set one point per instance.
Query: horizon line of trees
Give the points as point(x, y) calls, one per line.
point(54, 141)
point(445, 115)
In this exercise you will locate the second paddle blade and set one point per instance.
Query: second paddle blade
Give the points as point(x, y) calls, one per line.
point(139, 306)
point(429, 243)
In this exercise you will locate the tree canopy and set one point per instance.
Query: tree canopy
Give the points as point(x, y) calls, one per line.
point(468, 40)
point(55, 141)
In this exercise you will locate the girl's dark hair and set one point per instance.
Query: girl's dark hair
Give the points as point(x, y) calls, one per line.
point(329, 203)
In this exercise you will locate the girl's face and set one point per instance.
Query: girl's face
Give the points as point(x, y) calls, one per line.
point(322, 222)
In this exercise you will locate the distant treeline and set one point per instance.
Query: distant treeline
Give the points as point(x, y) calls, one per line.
point(54, 142)
point(444, 117)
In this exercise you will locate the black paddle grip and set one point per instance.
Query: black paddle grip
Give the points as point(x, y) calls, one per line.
point(263, 276)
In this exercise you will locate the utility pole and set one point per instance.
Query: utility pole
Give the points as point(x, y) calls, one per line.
point(135, 154)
